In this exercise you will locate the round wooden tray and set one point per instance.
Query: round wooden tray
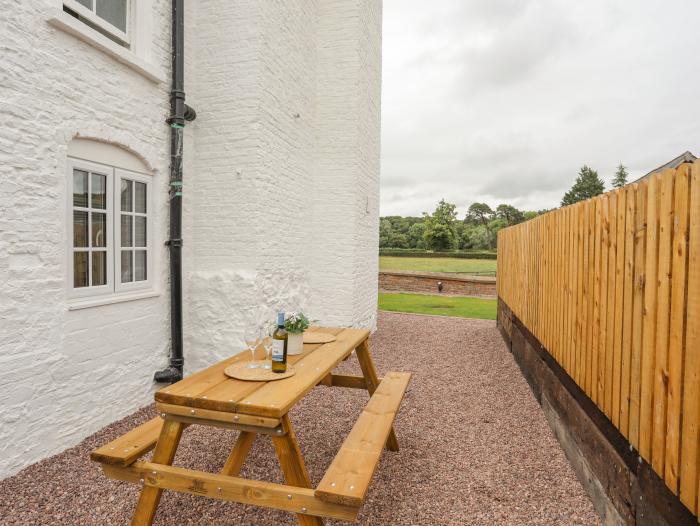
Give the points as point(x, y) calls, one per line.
point(240, 371)
point(318, 337)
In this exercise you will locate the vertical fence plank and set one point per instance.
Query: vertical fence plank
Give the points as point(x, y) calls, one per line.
point(626, 344)
point(640, 236)
point(690, 432)
point(605, 256)
point(619, 290)
point(591, 286)
point(663, 301)
point(581, 307)
point(595, 346)
point(610, 323)
point(676, 346)
point(649, 329)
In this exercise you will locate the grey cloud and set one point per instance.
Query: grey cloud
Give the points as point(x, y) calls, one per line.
point(503, 100)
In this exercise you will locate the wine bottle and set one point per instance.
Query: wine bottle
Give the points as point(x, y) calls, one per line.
point(279, 346)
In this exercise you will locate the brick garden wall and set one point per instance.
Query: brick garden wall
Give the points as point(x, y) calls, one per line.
point(428, 284)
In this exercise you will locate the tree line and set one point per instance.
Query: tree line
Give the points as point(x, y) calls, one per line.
point(442, 230)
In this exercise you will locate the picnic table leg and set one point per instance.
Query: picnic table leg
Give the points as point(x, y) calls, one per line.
point(372, 381)
point(235, 460)
point(293, 467)
point(164, 454)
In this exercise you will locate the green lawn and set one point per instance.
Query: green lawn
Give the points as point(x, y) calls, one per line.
point(462, 266)
point(439, 305)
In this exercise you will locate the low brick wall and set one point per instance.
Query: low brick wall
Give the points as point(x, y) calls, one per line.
point(423, 283)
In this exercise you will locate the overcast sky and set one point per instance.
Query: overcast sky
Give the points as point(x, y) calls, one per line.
point(504, 100)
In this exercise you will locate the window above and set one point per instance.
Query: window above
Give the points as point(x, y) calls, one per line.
point(109, 17)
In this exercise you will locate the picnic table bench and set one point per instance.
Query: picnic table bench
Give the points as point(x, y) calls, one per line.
point(211, 398)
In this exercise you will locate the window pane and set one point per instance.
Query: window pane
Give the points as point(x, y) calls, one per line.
point(80, 269)
point(80, 188)
point(80, 229)
point(127, 237)
point(86, 3)
point(99, 191)
point(113, 11)
point(99, 268)
point(140, 191)
point(126, 195)
point(140, 270)
point(127, 272)
point(140, 231)
point(99, 229)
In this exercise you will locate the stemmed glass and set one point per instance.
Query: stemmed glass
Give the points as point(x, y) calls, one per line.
point(252, 342)
point(266, 338)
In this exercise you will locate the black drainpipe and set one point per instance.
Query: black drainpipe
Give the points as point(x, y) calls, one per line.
point(179, 113)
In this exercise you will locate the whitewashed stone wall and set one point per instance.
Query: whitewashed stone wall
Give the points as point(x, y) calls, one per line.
point(281, 197)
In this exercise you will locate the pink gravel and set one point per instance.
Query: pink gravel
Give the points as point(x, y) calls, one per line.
point(475, 448)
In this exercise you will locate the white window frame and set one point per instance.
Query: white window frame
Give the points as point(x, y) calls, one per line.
point(94, 18)
point(120, 174)
point(113, 288)
point(90, 167)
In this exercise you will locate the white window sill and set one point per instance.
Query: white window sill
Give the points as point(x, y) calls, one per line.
point(85, 303)
point(75, 27)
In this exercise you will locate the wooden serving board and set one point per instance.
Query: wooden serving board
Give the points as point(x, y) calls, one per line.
point(240, 371)
point(318, 337)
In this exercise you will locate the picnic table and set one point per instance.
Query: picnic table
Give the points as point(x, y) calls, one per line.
point(211, 398)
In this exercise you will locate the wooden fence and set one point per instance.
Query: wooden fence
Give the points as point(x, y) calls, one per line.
point(611, 288)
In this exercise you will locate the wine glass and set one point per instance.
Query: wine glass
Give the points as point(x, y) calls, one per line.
point(251, 341)
point(266, 338)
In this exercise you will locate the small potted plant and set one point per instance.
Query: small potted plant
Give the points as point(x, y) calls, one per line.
point(295, 324)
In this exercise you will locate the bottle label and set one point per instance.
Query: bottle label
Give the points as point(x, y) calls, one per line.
point(277, 350)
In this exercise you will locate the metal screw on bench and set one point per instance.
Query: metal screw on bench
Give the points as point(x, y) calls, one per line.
point(332, 484)
point(219, 490)
point(303, 509)
point(162, 415)
point(192, 412)
point(289, 497)
point(141, 481)
point(235, 417)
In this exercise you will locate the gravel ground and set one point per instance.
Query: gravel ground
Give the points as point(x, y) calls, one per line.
point(475, 448)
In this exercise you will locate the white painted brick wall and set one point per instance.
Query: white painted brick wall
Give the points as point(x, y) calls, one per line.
point(275, 203)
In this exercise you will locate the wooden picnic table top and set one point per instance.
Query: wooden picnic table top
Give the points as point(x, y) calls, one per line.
point(211, 389)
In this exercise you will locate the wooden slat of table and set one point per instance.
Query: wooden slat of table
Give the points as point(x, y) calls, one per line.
point(275, 399)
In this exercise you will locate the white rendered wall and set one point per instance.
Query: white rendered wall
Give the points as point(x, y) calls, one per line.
point(67, 373)
point(281, 197)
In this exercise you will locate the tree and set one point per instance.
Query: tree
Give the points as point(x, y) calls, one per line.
point(620, 178)
point(587, 185)
point(385, 233)
point(479, 213)
point(510, 214)
point(440, 227)
point(415, 235)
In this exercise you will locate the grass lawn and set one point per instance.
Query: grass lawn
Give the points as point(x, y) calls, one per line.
point(462, 266)
point(439, 305)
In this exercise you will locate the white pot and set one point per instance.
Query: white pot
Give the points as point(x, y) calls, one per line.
point(295, 343)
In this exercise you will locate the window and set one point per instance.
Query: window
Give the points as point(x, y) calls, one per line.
point(110, 216)
point(109, 17)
